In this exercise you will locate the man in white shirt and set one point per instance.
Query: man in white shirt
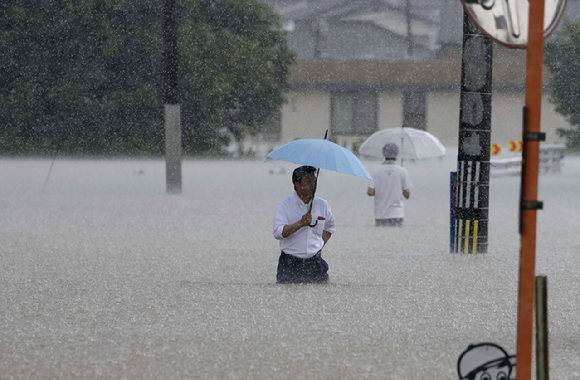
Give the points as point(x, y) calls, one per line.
point(301, 240)
point(390, 184)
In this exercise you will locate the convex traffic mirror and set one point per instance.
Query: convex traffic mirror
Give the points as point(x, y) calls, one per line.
point(506, 21)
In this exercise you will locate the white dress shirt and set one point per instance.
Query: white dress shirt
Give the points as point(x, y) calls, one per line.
point(307, 241)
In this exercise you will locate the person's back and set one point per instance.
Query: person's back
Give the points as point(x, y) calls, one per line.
point(390, 186)
point(389, 182)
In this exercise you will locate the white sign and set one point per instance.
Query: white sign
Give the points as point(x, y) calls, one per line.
point(506, 21)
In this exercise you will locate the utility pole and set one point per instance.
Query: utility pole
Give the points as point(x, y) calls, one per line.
point(541, 21)
point(408, 21)
point(471, 203)
point(172, 114)
point(529, 203)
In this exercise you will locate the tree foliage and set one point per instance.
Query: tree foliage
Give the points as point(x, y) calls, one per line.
point(562, 57)
point(85, 76)
point(235, 66)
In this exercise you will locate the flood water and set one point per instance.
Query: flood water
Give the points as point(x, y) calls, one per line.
point(104, 275)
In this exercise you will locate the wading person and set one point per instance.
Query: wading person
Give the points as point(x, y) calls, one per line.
point(303, 228)
point(390, 186)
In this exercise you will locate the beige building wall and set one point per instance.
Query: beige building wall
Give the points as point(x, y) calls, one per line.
point(390, 110)
point(506, 119)
point(390, 115)
point(443, 116)
point(306, 115)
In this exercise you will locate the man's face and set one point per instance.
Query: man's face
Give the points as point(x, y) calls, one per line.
point(305, 187)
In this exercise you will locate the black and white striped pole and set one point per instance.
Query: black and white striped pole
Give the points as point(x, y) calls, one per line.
point(471, 188)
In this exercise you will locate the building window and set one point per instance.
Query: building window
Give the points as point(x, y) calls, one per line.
point(415, 109)
point(353, 113)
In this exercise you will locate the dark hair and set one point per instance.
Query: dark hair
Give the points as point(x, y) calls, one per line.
point(300, 171)
point(390, 151)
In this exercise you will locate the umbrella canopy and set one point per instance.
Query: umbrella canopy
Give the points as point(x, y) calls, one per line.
point(322, 154)
point(412, 143)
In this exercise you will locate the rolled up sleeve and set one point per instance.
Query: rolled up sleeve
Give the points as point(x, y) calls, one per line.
point(280, 220)
point(329, 225)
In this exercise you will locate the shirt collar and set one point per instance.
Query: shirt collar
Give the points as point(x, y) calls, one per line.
point(299, 201)
point(388, 162)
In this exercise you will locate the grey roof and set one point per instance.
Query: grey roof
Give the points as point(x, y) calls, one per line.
point(428, 10)
point(447, 14)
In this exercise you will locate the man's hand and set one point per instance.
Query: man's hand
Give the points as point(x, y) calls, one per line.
point(306, 219)
point(289, 229)
point(325, 236)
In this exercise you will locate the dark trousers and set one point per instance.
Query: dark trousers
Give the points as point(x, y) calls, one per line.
point(394, 222)
point(292, 269)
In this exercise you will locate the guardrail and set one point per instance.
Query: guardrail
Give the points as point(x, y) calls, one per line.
point(500, 167)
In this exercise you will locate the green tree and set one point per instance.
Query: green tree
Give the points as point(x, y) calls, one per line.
point(81, 77)
point(235, 65)
point(562, 57)
point(84, 76)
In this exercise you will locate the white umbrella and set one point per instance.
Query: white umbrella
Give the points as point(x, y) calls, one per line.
point(412, 143)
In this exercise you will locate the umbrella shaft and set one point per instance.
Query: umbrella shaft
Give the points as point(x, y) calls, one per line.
point(314, 192)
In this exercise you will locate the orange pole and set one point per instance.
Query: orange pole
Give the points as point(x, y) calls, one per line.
point(529, 190)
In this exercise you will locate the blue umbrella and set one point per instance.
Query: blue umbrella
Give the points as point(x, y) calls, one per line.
point(321, 154)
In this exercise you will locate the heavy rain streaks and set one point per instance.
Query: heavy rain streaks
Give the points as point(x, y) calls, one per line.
point(105, 275)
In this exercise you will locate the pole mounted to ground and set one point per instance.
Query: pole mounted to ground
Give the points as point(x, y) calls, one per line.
point(524, 26)
point(470, 208)
point(529, 188)
point(172, 112)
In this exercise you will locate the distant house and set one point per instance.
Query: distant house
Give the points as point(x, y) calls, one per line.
point(369, 65)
